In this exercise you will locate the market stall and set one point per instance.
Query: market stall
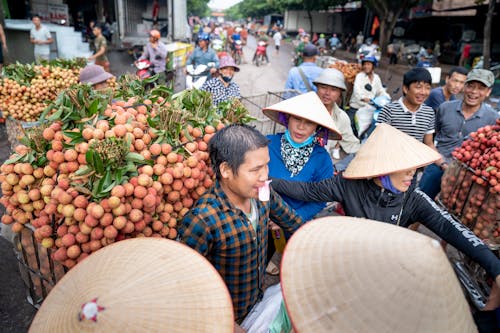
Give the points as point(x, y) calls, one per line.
point(97, 167)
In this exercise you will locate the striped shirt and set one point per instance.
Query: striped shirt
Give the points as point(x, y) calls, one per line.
point(415, 124)
point(223, 234)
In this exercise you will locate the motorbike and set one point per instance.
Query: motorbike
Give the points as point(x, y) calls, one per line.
point(144, 69)
point(260, 53)
point(237, 51)
point(410, 54)
point(366, 117)
point(368, 51)
point(197, 75)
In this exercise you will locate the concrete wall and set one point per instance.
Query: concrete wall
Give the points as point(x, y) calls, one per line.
point(295, 19)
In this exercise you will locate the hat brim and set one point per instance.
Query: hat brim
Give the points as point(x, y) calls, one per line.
point(389, 150)
point(236, 68)
point(100, 78)
point(345, 274)
point(144, 284)
point(480, 80)
point(272, 112)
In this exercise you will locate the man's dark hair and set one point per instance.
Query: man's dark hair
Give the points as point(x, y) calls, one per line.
point(417, 74)
point(35, 15)
point(458, 70)
point(230, 145)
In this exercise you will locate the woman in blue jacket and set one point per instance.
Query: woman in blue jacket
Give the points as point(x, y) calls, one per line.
point(298, 153)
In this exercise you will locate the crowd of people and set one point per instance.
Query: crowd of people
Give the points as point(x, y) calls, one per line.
point(320, 157)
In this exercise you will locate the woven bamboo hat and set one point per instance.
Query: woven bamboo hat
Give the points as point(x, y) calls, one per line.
point(388, 150)
point(307, 106)
point(344, 274)
point(139, 285)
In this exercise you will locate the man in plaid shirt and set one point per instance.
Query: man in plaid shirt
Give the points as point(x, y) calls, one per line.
point(229, 225)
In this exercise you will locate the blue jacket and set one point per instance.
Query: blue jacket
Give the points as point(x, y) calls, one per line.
point(198, 57)
point(318, 167)
point(311, 72)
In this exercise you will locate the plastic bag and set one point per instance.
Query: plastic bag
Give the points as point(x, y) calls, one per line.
point(263, 313)
point(281, 323)
point(364, 118)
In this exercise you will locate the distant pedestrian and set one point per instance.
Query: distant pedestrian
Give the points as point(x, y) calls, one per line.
point(3, 46)
point(301, 77)
point(156, 13)
point(41, 37)
point(359, 40)
point(464, 58)
point(277, 41)
point(101, 47)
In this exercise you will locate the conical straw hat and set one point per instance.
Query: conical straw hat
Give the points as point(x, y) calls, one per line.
point(344, 274)
point(389, 150)
point(307, 106)
point(142, 285)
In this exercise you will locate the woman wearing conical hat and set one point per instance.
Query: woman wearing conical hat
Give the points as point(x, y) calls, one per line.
point(377, 185)
point(298, 153)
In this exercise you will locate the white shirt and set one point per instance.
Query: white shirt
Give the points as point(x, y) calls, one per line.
point(359, 92)
point(349, 143)
point(41, 34)
point(277, 38)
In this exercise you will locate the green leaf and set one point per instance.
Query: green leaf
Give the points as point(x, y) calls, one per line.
point(89, 157)
point(99, 165)
point(14, 159)
point(83, 170)
point(94, 107)
point(135, 157)
point(72, 135)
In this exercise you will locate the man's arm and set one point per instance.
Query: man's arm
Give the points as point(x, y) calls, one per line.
point(2, 38)
point(385, 115)
point(49, 38)
point(442, 224)
point(356, 91)
point(282, 214)
point(195, 233)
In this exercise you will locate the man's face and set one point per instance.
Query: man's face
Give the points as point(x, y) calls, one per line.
point(328, 94)
point(202, 43)
point(36, 21)
point(455, 83)
point(96, 31)
point(475, 93)
point(417, 92)
point(367, 67)
point(251, 175)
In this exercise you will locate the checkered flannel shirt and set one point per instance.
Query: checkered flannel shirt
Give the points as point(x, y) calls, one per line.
point(223, 234)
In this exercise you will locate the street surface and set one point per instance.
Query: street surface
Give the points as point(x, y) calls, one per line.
point(15, 312)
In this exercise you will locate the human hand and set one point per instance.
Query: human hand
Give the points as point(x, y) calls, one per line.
point(365, 99)
point(494, 298)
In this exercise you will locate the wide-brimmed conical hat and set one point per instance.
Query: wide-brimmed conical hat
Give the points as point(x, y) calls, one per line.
point(388, 150)
point(139, 285)
point(307, 106)
point(346, 275)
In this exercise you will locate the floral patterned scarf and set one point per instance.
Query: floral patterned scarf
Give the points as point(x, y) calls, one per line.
point(295, 158)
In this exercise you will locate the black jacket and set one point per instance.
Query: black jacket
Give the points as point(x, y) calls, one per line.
point(364, 198)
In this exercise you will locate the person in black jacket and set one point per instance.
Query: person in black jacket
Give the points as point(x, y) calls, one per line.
point(377, 185)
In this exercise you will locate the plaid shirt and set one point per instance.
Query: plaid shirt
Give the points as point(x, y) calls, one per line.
point(222, 233)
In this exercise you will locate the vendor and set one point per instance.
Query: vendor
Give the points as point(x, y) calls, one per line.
point(96, 76)
point(377, 185)
point(222, 87)
point(331, 84)
point(298, 153)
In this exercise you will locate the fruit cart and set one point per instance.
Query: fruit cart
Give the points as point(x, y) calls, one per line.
point(470, 193)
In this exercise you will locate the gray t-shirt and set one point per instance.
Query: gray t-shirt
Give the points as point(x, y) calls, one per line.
point(41, 34)
point(452, 128)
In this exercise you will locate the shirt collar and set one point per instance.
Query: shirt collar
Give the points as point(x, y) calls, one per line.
point(405, 109)
point(227, 205)
point(478, 114)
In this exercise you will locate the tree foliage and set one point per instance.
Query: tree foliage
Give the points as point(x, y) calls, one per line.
point(198, 8)
point(252, 8)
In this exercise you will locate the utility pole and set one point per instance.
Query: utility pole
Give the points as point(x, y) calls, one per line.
point(487, 34)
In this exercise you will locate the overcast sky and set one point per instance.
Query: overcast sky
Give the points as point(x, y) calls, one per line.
point(222, 4)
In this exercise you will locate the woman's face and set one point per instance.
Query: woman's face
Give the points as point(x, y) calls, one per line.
point(227, 71)
point(401, 180)
point(300, 129)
